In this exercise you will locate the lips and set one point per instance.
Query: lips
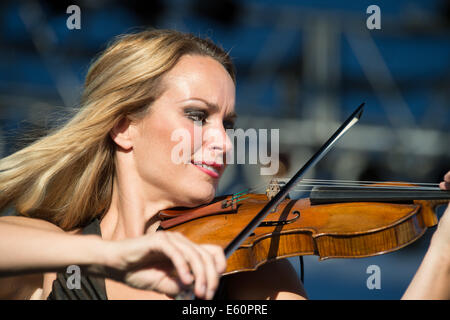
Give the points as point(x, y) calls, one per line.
point(213, 169)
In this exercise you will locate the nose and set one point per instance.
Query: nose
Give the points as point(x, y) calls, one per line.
point(217, 142)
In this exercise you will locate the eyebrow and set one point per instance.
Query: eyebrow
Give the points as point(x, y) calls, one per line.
point(215, 108)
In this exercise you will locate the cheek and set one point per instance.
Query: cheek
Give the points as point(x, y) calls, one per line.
point(153, 144)
point(196, 142)
point(173, 143)
point(185, 143)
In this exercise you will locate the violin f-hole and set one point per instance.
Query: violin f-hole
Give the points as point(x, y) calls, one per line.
point(280, 222)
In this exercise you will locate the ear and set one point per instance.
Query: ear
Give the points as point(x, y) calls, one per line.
point(120, 134)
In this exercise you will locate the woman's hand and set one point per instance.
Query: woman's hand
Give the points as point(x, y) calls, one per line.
point(445, 185)
point(442, 234)
point(166, 262)
point(432, 279)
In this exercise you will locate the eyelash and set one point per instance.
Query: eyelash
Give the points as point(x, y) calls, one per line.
point(197, 115)
point(202, 116)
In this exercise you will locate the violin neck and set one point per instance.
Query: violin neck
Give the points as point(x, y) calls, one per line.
point(324, 195)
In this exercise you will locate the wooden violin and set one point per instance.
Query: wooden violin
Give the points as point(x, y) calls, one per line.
point(338, 220)
point(378, 219)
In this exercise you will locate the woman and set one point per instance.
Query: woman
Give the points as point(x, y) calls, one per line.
point(113, 161)
point(88, 194)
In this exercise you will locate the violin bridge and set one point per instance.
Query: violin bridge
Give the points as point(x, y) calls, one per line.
point(272, 189)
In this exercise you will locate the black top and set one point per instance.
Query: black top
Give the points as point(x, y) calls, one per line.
point(92, 287)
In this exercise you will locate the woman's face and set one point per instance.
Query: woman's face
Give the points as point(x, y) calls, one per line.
point(180, 146)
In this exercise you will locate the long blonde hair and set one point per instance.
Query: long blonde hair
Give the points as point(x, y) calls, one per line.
point(67, 176)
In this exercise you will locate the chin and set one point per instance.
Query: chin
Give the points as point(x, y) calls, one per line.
point(201, 196)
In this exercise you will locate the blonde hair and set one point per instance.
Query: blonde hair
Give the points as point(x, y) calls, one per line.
point(67, 176)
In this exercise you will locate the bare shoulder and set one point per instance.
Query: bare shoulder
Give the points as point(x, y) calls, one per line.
point(29, 286)
point(274, 280)
point(31, 222)
point(36, 223)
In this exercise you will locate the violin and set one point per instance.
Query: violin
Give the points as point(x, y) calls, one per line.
point(334, 222)
point(337, 220)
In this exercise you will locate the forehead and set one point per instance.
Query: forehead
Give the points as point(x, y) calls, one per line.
point(201, 77)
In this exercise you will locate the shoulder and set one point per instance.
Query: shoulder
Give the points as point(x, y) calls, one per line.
point(274, 280)
point(35, 223)
point(28, 286)
point(31, 222)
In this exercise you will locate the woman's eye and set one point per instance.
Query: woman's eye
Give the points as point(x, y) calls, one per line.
point(197, 116)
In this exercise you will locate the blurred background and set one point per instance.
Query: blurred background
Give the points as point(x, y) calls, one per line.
point(302, 67)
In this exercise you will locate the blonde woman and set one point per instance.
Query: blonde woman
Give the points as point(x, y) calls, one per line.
point(89, 192)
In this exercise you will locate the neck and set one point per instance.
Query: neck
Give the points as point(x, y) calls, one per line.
point(133, 212)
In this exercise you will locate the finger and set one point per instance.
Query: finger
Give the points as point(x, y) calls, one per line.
point(444, 185)
point(175, 255)
point(220, 264)
point(211, 272)
point(170, 286)
point(195, 261)
point(447, 177)
point(162, 283)
point(219, 257)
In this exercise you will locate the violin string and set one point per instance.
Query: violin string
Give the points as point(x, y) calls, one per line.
point(239, 194)
point(260, 186)
point(356, 182)
point(339, 184)
point(394, 187)
point(368, 186)
point(332, 183)
point(241, 199)
point(378, 190)
point(244, 192)
point(237, 197)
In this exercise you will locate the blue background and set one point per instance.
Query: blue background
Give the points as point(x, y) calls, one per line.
point(43, 64)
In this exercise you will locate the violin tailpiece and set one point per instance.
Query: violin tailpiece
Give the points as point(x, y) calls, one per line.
point(218, 207)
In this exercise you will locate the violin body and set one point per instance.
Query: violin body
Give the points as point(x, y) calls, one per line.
point(298, 227)
point(344, 221)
